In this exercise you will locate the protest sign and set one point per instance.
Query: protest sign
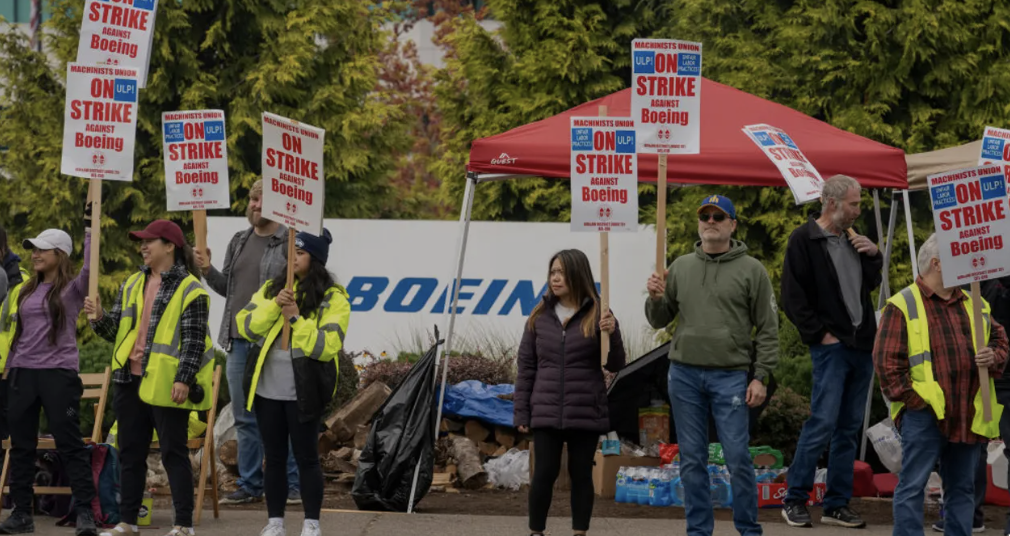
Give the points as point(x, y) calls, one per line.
point(118, 33)
point(970, 210)
point(604, 173)
point(801, 176)
point(293, 182)
point(196, 160)
point(666, 96)
point(995, 147)
point(100, 122)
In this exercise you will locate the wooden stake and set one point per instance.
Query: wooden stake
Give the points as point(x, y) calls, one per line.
point(604, 279)
point(661, 217)
point(983, 373)
point(286, 333)
point(95, 197)
point(200, 229)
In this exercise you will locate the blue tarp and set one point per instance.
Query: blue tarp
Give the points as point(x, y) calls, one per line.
point(475, 400)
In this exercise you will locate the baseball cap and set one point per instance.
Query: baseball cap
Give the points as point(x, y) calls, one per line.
point(51, 239)
point(720, 202)
point(160, 229)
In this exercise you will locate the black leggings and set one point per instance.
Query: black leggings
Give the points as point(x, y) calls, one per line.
point(547, 446)
point(277, 422)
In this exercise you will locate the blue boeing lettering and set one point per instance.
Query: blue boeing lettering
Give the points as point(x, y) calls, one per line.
point(524, 296)
point(440, 305)
point(425, 287)
point(364, 291)
point(490, 296)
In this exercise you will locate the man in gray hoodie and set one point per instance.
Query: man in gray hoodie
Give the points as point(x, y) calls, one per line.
point(722, 296)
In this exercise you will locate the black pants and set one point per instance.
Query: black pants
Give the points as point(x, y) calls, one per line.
point(278, 421)
point(4, 426)
point(547, 446)
point(58, 392)
point(137, 422)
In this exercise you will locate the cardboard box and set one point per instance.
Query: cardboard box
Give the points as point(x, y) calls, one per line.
point(605, 471)
point(771, 495)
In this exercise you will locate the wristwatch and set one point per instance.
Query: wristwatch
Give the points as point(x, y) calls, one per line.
point(293, 319)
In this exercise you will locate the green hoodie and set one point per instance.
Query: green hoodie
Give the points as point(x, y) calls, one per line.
point(721, 302)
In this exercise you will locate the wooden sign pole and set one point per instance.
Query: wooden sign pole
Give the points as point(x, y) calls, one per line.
point(983, 373)
point(95, 197)
point(286, 333)
point(604, 280)
point(200, 229)
point(661, 217)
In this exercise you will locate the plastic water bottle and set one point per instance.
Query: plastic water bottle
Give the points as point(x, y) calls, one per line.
point(643, 486)
point(677, 492)
point(621, 491)
point(720, 488)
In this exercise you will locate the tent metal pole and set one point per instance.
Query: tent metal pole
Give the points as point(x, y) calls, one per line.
point(464, 230)
point(911, 238)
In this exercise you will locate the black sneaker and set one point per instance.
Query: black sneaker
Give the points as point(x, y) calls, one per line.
point(239, 496)
point(86, 524)
point(19, 522)
point(843, 517)
point(796, 515)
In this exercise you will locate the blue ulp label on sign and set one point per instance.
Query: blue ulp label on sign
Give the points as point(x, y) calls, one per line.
point(992, 148)
point(993, 187)
point(645, 62)
point(213, 130)
point(688, 64)
point(788, 141)
point(943, 196)
point(173, 132)
point(146, 5)
point(126, 91)
point(764, 138)
point(625, 141)
point(582, 139)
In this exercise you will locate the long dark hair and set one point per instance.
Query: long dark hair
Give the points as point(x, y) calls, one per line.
point(4, 248)
point(54, 297)
point(579, 279)
point(311, 289)
point(184, 255)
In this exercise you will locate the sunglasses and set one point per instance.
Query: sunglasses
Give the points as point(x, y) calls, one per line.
point(717, 216)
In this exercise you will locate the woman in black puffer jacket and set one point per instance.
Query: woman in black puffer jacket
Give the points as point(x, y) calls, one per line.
point(560, 392)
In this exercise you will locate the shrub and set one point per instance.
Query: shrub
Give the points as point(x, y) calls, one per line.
point(781, 422)
point(488, 370)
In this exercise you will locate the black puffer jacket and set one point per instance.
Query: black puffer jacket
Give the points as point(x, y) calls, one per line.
point(560, 382)
point(11, 266)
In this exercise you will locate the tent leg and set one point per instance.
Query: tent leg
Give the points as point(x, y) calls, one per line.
point(464, 220)
point(911, 238)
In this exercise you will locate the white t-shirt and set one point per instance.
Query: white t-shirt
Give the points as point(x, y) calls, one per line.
point(564, 313)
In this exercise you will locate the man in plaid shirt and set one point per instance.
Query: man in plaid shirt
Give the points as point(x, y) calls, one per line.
point(936, 426)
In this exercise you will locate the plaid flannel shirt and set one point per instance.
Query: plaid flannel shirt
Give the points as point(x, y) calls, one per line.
point(953, 358)
point(194, 326)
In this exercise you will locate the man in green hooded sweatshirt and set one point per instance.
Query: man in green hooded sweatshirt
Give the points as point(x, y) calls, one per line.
point(722, 296)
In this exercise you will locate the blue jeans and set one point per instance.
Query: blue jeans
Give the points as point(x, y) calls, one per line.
point(922, 446)
point(694, 392)
point(841, 380)
point(250, 444)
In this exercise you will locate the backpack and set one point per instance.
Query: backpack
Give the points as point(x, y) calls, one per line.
point(105, 473)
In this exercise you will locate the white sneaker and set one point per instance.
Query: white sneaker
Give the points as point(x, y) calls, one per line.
point(311, 529)
point(273, 529)
point(121, 529)
point(180, 531)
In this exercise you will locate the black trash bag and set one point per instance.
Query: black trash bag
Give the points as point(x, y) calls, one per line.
point(402, 436)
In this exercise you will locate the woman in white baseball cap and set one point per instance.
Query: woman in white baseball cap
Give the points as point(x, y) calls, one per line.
point(43, 373)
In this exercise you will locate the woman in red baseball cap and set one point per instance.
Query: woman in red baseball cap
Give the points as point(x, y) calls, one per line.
point(162, 363)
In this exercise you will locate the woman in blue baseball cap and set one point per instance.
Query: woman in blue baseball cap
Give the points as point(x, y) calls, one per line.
point(289, 388)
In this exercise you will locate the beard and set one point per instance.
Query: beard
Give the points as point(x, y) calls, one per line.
point(253, 219)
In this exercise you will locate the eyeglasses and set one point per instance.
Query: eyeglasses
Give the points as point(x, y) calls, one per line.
point(717, 216)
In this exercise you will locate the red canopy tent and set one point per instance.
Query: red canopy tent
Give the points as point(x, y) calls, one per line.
point(728, 156)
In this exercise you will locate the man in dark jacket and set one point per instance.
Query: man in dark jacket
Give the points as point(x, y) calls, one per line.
point(828, 276)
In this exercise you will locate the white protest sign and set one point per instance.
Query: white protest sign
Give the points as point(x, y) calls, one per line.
point(970, 214)
point(604, 175)
point(196, 160)
point(801, 176)
point(995, 147)
point(118, 32)
point(293, 181)
point(666, 96)
point(100, 122)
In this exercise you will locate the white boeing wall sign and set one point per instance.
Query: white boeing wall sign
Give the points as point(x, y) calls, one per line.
point(397, 273)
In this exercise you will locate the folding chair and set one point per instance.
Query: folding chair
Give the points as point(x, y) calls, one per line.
point(207, 444)
point(96, 387)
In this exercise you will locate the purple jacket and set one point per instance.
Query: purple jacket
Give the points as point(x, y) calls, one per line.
point(560, 382)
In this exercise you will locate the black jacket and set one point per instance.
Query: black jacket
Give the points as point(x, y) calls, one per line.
point(11, 266)
point(812, 297)
point(997, 293)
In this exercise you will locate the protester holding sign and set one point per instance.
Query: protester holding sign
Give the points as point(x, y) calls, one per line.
point(560, 393)
point(827, 278)
point(926, 357)
point(162, 367)
point(42, 370)
point(254, 256)
point(15, 276)
point(318, 311)
point(722, 296)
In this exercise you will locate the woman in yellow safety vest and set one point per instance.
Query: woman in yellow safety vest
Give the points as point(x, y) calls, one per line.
point(162, 375)
point(290, 388)
point(14, 276)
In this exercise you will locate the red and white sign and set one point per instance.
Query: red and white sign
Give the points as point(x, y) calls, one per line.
point(293, 183)
point(100, 122)
point(771, 495)
point(604, 175)
point(801, 176)
point(196, 160)
point(118, 32)
point(970, 212)
point(995, 147)
point(666, 95)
